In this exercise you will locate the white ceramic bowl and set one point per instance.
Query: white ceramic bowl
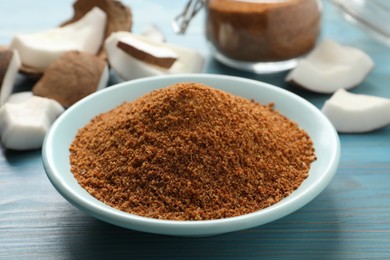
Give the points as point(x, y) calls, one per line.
point(56, 153)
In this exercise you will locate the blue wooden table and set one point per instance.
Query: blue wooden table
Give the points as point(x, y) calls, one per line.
point(350, 219)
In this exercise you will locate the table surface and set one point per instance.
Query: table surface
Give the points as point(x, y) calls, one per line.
point(350, 219)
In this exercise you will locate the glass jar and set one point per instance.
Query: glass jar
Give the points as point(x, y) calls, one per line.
point(371, 15)
point(261, 36)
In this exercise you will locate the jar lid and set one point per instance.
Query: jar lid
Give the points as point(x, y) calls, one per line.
point(371, 15)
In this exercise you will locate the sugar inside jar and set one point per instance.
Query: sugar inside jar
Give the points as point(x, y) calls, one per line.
point(262, 35)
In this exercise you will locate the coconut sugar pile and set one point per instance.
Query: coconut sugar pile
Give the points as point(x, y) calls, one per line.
point(191, 152)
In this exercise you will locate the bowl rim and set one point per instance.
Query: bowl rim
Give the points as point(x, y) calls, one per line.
point(108, 214)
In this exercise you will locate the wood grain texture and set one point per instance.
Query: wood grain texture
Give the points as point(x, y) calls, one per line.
point(349, 220)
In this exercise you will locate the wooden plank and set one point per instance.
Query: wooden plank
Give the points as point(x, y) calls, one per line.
point(349, 220)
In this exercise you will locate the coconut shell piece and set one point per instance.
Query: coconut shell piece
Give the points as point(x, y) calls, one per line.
point(73, 76)
point(9, 66)
point(5, 59)
point(164, 61)
point(30, 72)
point(25, 122)
point(128, 67)
point(356, 113)
point(39, 49)
point(119, 16)
point(331, 66)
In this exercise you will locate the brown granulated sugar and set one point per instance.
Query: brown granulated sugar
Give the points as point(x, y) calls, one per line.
point(191, 152)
